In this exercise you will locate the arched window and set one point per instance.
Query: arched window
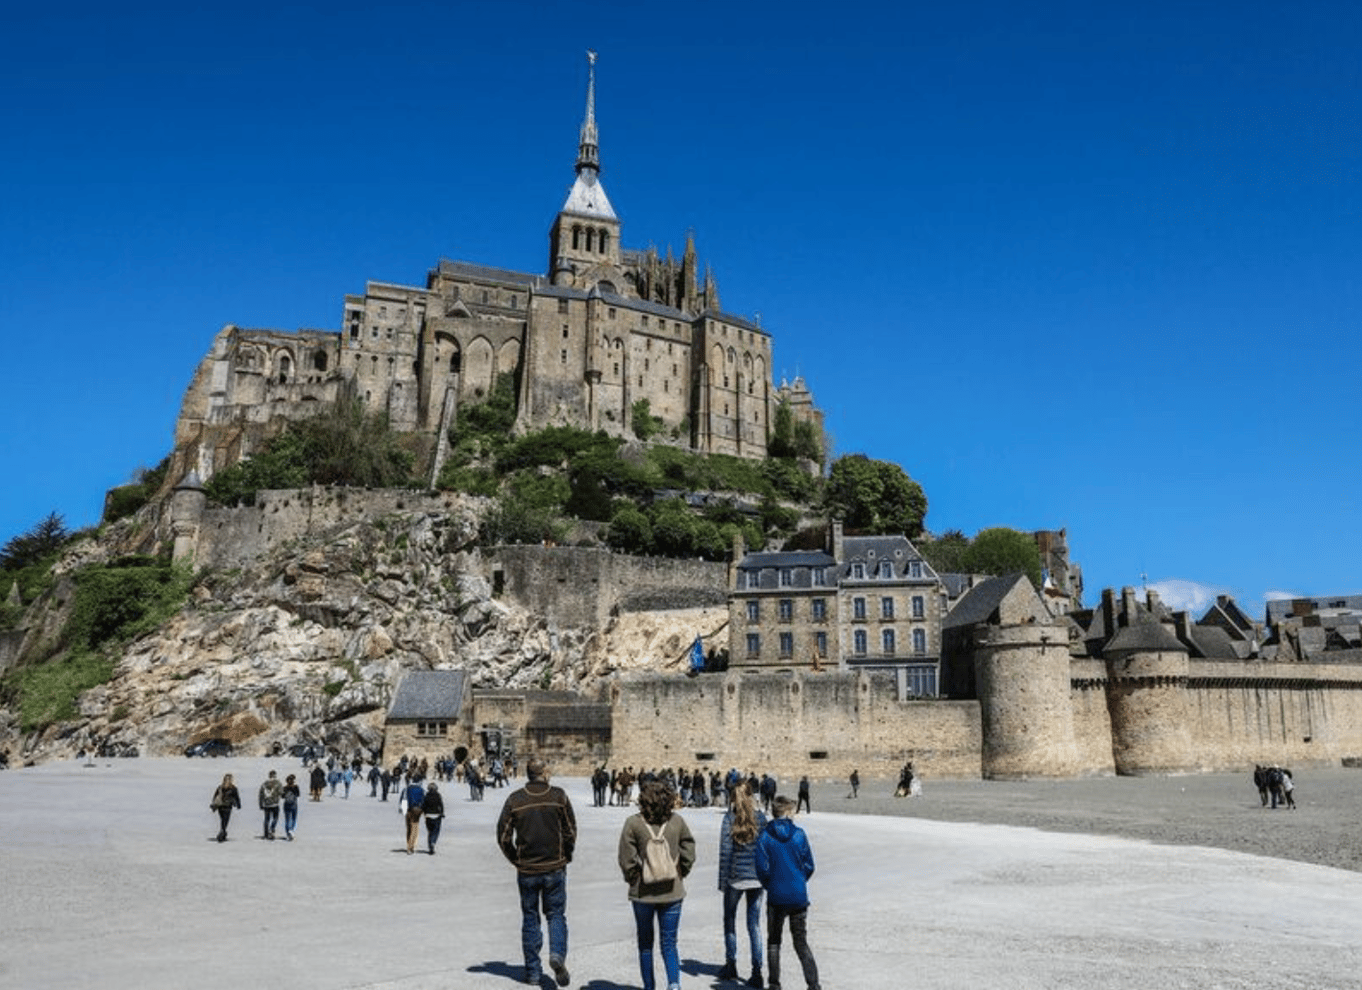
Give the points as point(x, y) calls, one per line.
point(605, 240)
point(319, 360)
point(591, 238)
point(285, 366)
point(576, 238)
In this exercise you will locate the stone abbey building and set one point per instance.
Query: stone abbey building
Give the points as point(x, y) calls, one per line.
point(600, 330)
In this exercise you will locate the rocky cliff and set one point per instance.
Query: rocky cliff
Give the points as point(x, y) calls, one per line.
point(307, 640)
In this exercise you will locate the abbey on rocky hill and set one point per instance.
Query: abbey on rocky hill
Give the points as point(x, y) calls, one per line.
point(603, 329)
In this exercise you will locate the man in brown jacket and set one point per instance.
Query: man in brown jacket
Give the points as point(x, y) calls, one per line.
point(537, 832)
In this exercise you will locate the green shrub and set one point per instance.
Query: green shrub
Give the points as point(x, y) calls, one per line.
point(47, 692)
point(346, 445)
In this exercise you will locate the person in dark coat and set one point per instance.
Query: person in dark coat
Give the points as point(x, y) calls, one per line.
point(317, 781)
point(537, 833)
point(225, 798)
point(433, 807)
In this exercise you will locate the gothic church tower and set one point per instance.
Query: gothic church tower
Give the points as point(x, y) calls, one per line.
point(584, 243)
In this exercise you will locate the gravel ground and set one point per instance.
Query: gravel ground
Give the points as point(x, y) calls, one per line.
point(1216, 810)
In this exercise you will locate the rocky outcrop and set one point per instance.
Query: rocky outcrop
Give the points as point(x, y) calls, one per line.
point(308, 641)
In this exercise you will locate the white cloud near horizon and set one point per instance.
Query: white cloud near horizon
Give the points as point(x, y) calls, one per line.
point(1182, 595)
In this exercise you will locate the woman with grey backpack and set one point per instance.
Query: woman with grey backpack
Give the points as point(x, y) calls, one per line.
point(656, 852)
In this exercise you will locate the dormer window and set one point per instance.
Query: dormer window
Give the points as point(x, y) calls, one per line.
point(858, 571)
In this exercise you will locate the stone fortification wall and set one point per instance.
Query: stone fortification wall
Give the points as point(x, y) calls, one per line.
point(824, 725)
point(237, 536)
point(1233, 715)
point(1288, 713)
point(580, 586)
point(1091, 717)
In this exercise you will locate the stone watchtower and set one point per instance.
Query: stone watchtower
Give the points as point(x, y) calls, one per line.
point(187, 504)
point(1001, 645)
point(1022, 676)
point(1146, 691)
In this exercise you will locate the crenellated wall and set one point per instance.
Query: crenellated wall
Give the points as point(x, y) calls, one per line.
point(822, 724)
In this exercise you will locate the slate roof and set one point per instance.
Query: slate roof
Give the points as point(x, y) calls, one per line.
point(1214, 643)
point(470, 270)
point(1147, 637)
point(782, 558)
point(873, 551)
point(433, 694)
point(1323, 606)
point(955, 584)
point(982, 601)
point(579, 716)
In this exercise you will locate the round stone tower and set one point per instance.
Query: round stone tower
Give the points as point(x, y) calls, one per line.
point(186, 512)
point(1021, 673)
point(1147, 699)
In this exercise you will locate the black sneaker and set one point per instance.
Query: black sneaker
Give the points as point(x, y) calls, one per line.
point(560, 971)
point(729, 971)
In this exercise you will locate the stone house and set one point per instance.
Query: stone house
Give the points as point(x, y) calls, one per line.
point(430, 716)
point(866, 603)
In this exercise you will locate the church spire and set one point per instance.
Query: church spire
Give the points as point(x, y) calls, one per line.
point(588, 151)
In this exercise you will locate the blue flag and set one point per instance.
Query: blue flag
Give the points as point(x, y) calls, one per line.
point(697, 656)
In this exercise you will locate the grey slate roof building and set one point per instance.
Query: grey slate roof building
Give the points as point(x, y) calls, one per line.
point(429, 694)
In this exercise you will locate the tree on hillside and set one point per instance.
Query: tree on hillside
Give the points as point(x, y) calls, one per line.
point(44, 538)
point(1003, 551)
point(875, 496)
point(946, 553)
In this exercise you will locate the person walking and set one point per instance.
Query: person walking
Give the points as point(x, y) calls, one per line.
point(434, 809)
point(291, 794)
point(317, 781)
point(537, 833)
point(225, 798)
point(738, 881)
point(413, 799)
point(803, 801)
point(271, 793)
point(656, 852)
point(785, 864)
point(855, 783)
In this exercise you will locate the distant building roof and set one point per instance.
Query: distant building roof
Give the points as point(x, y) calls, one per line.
point(1146, 636)
point(486, 272)
point(433, 694)
point(982, 602)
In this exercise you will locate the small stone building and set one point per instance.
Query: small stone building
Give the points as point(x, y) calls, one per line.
point(430, 716)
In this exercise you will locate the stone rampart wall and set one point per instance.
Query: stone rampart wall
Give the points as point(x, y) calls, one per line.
point(237, 536)
point(580, 586)
point(1289, 713)
point(1091, 718)
point(824, 725)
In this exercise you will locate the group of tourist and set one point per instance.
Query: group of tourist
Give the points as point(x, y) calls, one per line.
point(537, 832)
point(694, 789)
point(275, 796)
point(1275, 784)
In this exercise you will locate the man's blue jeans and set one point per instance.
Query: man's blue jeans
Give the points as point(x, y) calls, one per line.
point(668, 923)
point(732, 897)
point(546, 892)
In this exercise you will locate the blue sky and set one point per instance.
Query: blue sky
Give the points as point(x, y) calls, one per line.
point(1072, 265)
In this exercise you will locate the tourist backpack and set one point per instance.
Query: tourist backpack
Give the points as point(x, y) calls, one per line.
point(659, 866)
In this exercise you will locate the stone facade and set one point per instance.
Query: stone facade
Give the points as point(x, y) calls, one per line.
point(603, 329)
point(866, 602)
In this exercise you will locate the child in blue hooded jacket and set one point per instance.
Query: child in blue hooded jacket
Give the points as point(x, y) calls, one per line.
point(784, 865)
